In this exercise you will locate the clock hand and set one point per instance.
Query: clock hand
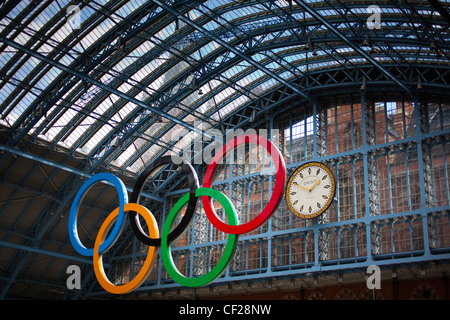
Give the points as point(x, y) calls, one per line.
point(315, 184)
point(296, 184)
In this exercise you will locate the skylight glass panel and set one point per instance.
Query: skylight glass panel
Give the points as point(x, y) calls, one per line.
point(62, 33)
point(207, 106)
point(132, 57)
point(187, 139)
point(87, 123)
point(232, 15)
point(286, 75)
point(283, 3)
point(41, 121)
point(90, 122)
point(359, 10)
point(48, 77)
point(222, 95)
point(301, 16)
point(156, 85)
point(142, 49)
point(165, 32)
point(173, 134)
point(7, 55)
point(127, 8)
point(21, 106)
point(132, 149)
point(96, 33)
point(47, 14)
point(27, 68)
point(145, 158)
point(175, 71)
point(18, 8)
point(156, 128)
point(267, 84)
point(124, 112)
point(236, 69)
point(212, 25)
point(97, 138)
point(35, 6)
point(6, 90)
point(126, 155)
point(244, 82)
point(190, 100)
point(125, 87)
point(240, 100)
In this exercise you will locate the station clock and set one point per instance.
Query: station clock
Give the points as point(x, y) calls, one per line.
point(310, 190)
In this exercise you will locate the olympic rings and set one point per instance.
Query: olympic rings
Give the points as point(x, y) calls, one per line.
point(193, 185)
point(171, 269)
point(148, 264)
point(117, 217)
point(274, 200)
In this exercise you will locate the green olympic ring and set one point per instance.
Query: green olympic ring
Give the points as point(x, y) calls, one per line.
point(230, 247)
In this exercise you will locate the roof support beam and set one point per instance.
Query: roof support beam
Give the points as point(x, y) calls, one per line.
point(100, 85)
point(196, 26)
point(440, 8)
point(330, 27)
point(63, 167)
point(7, 7)
point(70, 257)
point(24, 258)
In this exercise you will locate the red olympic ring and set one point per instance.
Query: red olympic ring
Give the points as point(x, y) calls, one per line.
point(277, 193)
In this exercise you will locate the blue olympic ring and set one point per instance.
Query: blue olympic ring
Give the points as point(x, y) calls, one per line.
point(118, 226)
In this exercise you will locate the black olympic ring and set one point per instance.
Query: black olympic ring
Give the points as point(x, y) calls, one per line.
point(187, 169)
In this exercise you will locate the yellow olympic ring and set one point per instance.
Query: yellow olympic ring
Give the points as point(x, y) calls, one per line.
point(146, 268)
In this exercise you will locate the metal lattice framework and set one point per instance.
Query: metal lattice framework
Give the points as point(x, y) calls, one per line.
point(90, 86)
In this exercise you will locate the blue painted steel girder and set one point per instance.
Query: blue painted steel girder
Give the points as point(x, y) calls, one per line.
point(99, 51)
point(266, 103)
point(353, 76)
point(279, 44)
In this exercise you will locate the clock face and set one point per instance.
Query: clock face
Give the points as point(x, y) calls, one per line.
point(310, 190)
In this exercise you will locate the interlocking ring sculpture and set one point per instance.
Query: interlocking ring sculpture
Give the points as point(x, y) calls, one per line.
point(153, 239)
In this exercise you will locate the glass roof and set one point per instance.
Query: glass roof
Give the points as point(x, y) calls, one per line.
point(142, 50)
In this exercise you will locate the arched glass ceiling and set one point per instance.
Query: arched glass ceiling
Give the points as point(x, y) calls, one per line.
point(142, 74)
